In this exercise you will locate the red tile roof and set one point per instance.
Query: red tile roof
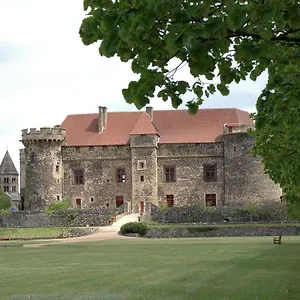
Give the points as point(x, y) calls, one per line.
point(144, 126)
point(173, 126)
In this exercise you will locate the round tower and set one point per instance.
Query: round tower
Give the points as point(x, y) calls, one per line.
point(245, 178)
point(42, 163)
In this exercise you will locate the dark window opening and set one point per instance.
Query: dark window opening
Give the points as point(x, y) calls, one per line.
point(229, 129)
point(78, 202)
point(169, 174)
point(170, 200)
point(13, 180)
point(210, 173)
point(121, 175)
point(5, 180)
point(57, 198)
point(142, 178)
point(211, 200)
point(78, 177)
point(14, 188)
point(107, 204)
point(92, 199)
point(57, 168)
point(6, 188)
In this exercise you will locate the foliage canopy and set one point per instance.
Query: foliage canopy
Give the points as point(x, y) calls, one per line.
point(223, 41)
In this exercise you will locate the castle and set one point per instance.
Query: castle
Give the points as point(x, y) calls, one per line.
point(110, 159)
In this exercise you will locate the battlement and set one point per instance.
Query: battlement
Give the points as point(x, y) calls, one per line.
point(237, 128)
point(43, 134)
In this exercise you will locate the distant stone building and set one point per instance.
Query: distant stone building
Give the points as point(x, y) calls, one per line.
point(9, 180)
point(110, 159)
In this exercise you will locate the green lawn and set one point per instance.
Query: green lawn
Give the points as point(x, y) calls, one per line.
point(41, 232)
point(211, 268)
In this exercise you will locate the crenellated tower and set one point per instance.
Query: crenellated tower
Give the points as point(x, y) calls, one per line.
point(42, 163)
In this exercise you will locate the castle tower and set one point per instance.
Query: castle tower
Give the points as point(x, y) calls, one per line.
point(42, 162)
point(143, 143)
point(245, 179)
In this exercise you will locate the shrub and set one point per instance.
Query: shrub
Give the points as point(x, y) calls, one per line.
point(57, 205)
point(5, 212)
point(4, 201)
point(134, 227)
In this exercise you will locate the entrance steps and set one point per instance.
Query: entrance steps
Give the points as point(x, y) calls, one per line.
point(115, 227)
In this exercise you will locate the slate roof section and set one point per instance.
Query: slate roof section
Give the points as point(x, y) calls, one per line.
point(173, 126)
point(144, 126)
point(7, 166)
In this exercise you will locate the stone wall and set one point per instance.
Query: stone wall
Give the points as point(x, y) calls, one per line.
point(100, 165)
point(245, 179)
point(222, 232)
point(76, 218)
point(271, 212)
point(188, 161)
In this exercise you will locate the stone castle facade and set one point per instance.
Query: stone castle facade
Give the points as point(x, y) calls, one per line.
point(133, 158)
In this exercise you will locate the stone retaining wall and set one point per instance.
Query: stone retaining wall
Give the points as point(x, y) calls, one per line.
point(269, 212)
point(75, 218)
point(223, 232)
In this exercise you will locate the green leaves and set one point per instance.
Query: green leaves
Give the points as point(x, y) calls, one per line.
point(226, 39)
point(277, 128)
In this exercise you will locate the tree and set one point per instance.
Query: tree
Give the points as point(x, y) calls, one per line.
point(4, 201)
point(277, 123)
point(220, 41)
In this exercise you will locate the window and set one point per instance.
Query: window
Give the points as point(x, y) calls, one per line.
point(77, 149)
point(5, 180)
point(170, 200)
point(141, 164)
point(121, 175)
point(57, 198)
point(142, 178)
point(229, 129)
point(78, 202)
point(78, 177)
point(57, 168)
point(169, 174)
point(92, 199)
point(211, 200)
point(6, 188)
point(13, 188)
point(210, 173)
point(13, 180)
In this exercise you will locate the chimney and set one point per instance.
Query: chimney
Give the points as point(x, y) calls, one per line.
point(149, 111)
point(102, 119)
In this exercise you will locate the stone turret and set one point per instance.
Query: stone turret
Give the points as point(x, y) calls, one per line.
point(245, 179)
point(42, 162)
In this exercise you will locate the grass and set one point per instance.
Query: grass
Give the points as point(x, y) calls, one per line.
point(46, 232)
point(211, 268)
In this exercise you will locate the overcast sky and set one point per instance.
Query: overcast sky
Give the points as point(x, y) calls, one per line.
point(47, 73)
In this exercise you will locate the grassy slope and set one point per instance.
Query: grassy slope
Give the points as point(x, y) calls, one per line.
point(212, 268)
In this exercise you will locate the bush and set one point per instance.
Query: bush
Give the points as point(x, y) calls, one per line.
point(4, 201)
point(134, 227)
point(57, 205)
point(5, 212)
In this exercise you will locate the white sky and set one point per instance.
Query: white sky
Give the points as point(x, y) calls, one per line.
point(47, 73)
